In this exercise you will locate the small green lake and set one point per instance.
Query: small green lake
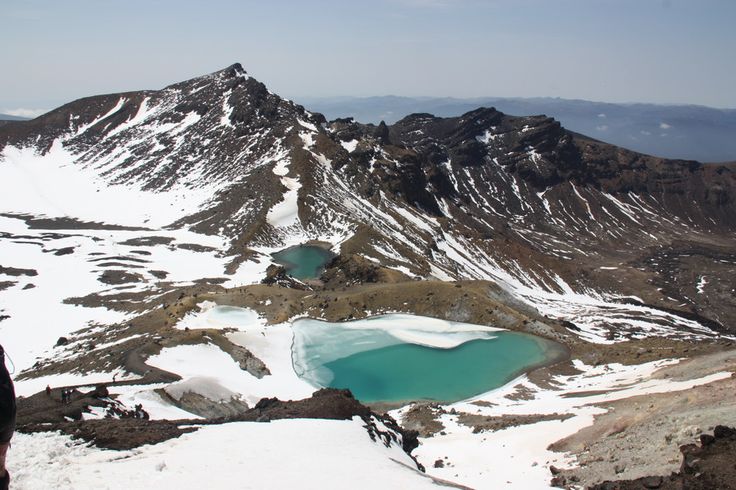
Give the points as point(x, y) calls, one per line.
point(303, 261)
point(378, 366)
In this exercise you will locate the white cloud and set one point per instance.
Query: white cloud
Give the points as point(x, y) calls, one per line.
point(645, 133)
point(664, 126)
point(23, 112)
point(602, 127)
point(602, 115)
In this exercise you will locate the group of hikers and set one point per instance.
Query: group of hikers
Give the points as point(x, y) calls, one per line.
point(66, 394)
point(8, 412)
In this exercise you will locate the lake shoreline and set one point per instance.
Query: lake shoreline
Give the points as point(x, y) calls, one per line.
point(563, 355)
point(305, 261)
point(370, 348)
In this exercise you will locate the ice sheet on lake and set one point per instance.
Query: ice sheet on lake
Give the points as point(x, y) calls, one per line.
point(317, 342)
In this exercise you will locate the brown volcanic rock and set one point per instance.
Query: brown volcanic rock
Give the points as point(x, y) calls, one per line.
point(347, 270)
point(327, 403)
point(277, 275)
point(708, 466)
point(331, 403)
point(118, 434)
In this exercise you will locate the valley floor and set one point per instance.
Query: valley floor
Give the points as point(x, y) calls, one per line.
point(581, 423)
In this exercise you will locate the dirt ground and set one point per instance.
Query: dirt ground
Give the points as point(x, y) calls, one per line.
point(641, 436)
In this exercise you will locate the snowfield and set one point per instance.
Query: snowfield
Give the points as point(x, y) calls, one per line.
point(57, 184)
point(206, 360)
point(68, 263)
point(309, 454)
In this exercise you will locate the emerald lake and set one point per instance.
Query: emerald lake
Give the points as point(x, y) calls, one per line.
point(399, 358)
point(303, 261)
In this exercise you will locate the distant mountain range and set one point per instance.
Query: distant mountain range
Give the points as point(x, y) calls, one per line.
point(5, 118)
point(688, 132)
point(8, 117)
point(670, 131)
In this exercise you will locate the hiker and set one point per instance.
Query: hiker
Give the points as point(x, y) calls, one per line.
point(48, 390)
point(64, 396)
point(7, 418)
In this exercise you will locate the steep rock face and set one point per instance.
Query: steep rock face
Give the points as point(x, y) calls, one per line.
point(562, 222)
point(522, 193)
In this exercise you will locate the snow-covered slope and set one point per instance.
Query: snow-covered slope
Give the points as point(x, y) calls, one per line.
point(252, 455)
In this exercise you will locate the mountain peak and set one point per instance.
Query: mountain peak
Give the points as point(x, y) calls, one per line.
point(236, 69)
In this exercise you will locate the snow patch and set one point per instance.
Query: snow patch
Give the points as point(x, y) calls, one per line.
point(205, 386)
point(307, 125)
point(701, 284)
point(55, 185)
point(349, 145)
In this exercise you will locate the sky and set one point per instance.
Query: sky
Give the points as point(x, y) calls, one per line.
point(660, 51)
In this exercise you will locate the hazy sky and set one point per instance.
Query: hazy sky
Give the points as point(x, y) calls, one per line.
point(665, 51)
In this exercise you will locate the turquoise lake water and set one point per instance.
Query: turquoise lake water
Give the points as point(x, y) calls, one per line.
point(412, 372)
point(378, 367)
point(303, 261)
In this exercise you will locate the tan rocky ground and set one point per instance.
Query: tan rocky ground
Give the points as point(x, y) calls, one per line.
point(641, 436)
point(636, 437)
point(468, 301)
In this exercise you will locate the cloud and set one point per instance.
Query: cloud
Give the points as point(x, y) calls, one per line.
point(664, 125)
point(602, 127)
point(602, 115)
point(23, 112)
point(645, 133)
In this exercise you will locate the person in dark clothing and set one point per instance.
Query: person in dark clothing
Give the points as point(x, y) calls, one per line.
point(7, 418)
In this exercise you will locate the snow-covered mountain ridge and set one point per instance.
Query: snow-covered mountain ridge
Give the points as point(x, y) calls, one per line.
point(515, 200)
point(125, 218)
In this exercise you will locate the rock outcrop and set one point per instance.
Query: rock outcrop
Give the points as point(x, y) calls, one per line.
point(707, 466)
